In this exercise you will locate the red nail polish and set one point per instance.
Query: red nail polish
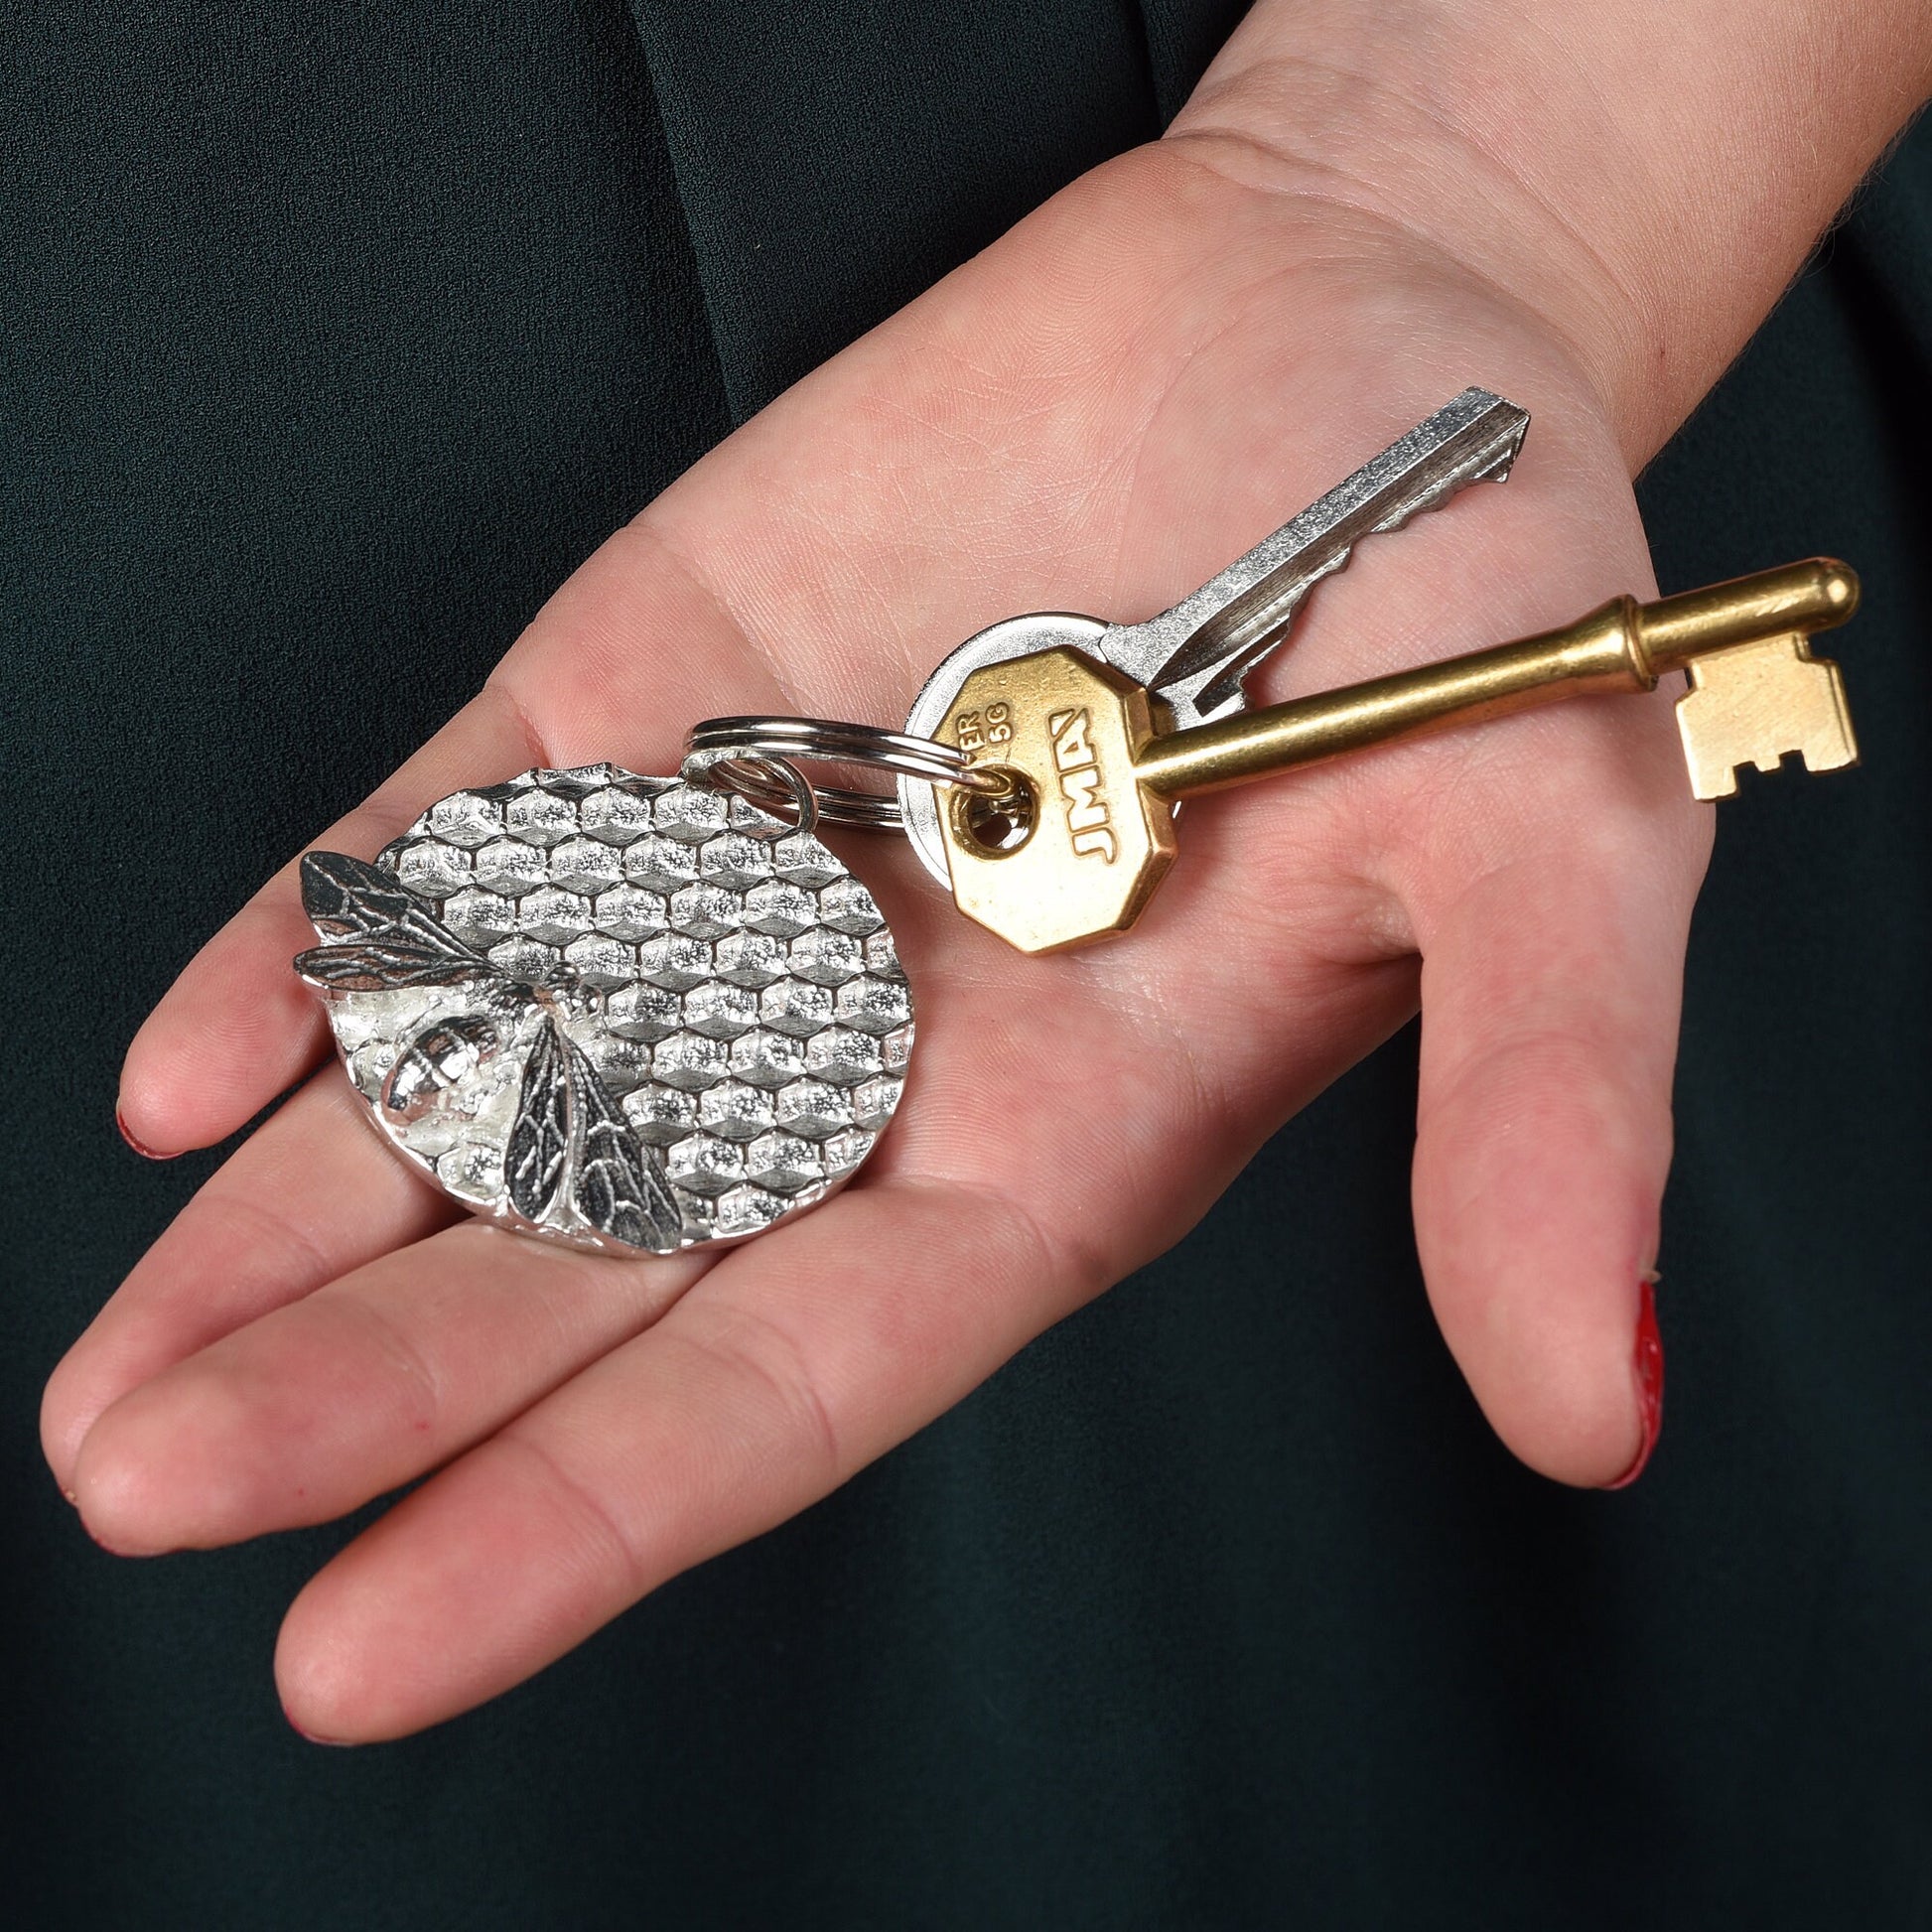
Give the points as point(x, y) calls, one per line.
point(310, 1737)
point(146, 1152)
point(99, 1541)
point(1650, 1384)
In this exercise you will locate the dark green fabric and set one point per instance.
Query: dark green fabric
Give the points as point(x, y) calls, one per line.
point(331, 344)
point(798, 136)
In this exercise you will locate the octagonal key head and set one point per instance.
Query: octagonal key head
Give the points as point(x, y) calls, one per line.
point(1076, 851)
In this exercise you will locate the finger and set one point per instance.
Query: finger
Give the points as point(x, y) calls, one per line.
point(358, 1388)
point(310, 1195)
point(1550, 988)
point(379, 1375)
point(786, 1370)
point(239, 1028)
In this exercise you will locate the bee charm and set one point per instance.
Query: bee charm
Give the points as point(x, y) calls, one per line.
point(628, 1013)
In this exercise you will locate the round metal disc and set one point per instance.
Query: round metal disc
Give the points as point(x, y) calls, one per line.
point(660, 995)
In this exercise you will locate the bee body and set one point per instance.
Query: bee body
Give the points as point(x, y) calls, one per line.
point(438, 1059)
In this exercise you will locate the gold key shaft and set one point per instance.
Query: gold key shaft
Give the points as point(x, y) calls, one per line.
point(1091, 833)
point(1624, 646)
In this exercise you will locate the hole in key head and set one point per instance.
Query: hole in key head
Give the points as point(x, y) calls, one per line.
point(993, 826)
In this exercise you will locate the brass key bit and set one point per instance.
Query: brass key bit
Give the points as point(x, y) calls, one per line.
point(1757, 700)
point(1076, 850)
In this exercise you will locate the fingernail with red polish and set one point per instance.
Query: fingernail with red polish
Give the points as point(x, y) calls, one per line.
point(310, 1737)
point(1650, 1382)
point(146, 1152)
point(99, 1541)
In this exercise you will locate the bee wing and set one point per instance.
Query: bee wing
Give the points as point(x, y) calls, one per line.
point(401, 943)
point(539, 1142)
point(620, 1189)
point(344, 894)
point(380, 965)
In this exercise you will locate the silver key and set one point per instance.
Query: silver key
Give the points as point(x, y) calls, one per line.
point(1198, 655)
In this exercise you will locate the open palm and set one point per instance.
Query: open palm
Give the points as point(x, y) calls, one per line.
point(1094, 415)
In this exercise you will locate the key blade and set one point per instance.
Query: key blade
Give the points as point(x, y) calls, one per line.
point(1196, 655)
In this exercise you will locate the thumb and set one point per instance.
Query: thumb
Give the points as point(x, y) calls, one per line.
point(1551, 994)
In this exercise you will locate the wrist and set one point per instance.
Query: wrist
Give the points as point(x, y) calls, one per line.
point(1642, 181)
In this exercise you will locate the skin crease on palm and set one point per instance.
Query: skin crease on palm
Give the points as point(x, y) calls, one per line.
point(1098, 413)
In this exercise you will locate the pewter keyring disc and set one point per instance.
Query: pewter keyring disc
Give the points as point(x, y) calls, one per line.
point(730, 983)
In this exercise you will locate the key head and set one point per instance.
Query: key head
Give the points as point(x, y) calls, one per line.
point(919, 802)
point(1078, 853)
point(1752, 703)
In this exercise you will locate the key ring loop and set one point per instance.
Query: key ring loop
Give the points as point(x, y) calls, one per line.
point(757, 758)
point(774, 786)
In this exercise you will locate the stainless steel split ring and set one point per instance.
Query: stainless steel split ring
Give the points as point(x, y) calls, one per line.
point(757, 758)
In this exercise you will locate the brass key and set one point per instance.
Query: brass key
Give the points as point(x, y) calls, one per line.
point(1073, 853)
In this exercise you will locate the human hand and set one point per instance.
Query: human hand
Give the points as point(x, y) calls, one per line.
point(1096, 414)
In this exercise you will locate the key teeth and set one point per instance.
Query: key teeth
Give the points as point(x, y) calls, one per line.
point(1204, 678)
point(1213, 700)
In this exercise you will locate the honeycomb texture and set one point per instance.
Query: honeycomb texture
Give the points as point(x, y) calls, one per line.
point(733, 984)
